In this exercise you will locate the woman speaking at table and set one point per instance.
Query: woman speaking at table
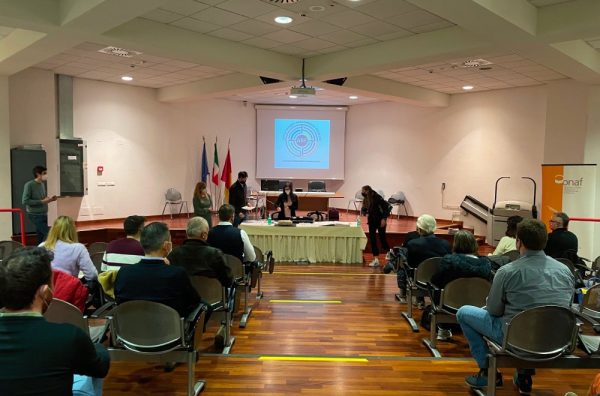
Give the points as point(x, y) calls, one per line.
point(287, 202)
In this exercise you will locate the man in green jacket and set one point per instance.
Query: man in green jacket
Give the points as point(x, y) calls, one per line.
point(36, 202)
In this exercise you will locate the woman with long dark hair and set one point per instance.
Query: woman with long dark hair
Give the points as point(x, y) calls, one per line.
point(377, 210)
point(287, 202)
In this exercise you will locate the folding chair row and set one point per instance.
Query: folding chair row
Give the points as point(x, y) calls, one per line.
point(417, 284)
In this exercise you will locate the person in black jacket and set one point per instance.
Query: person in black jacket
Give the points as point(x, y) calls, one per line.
point(197, 257)
point(237, 197)
point(38, 357)
point(153, 279)
point(377, 210)
point(562, 243)
point(287, 202)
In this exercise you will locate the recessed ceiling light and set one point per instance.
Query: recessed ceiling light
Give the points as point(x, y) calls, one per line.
point(340, 108)
point(467, 87)
point(316, 8)
point(284, 20)
point(126, 78)
point(353, 97)
point(293, 96)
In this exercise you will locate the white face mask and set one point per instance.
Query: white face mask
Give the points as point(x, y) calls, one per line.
point(287, 191)
point(44, 177)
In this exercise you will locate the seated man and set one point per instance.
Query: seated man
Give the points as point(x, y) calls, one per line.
point(422, 248)
point(128, 250)
point(462, 263)
point(531, 281)
point(197, 257)
point(153, 279)
point(229, 239)
point(562, 243)
point(38, 357)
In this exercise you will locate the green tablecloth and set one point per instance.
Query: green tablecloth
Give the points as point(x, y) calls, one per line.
point(312, 243)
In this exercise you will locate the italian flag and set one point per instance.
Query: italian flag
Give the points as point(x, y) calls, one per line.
point(215, 169)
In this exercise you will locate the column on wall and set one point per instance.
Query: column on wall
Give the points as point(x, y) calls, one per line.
point(5, 191)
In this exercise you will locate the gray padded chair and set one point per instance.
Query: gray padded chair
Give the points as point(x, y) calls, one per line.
point(220, 301)
point(97, 247)
point(417, 284)
point(97, 259)
point(7, 248)
point(398, 199)
point(356, 201)
point(243, 283)
point(149, 331)
point(459, 292)
point(60, 311)
point(513, 255)
point(527, 341)
point(260, 259)
point(173, 198)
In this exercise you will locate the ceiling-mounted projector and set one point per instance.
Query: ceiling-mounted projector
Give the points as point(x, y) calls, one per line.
point(303, 91)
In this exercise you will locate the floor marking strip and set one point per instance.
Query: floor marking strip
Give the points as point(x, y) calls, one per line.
point(312, 359)
point(327, 273)
point(369, 357)
point(307, 301)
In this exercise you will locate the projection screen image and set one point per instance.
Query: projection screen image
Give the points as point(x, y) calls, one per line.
point(301, 144)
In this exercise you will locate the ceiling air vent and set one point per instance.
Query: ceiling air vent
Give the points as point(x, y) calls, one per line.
point(121, 52)
point(475, 63)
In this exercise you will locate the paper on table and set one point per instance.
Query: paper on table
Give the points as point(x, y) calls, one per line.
point(248, 207)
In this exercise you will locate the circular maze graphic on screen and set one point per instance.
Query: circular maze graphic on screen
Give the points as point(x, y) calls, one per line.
point(302, 139)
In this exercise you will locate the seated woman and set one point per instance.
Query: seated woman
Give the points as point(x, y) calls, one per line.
point(287, 202)
point(508, 242)
point(462, 263)
point(70, 256)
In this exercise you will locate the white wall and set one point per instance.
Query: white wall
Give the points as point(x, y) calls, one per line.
point(5, 194)
point(468, 145)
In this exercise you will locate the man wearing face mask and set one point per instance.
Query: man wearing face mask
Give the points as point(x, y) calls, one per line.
point(237, 197)
point(287, 202)
point(38, 357)
point(153, 279)
point(36, 202)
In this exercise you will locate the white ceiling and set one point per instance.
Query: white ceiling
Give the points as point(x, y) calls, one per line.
point(403, 50)
point(5, 31)
point(507, 71)
point(340, 25)
point(85, 61)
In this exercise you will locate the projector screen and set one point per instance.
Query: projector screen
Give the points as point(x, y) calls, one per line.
point(300, 142)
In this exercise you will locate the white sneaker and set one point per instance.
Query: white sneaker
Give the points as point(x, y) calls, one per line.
point(444, 334)
point(374, 263)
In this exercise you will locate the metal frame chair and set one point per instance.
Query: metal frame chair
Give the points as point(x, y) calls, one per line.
point(260, 259)
point(358, 199)
point(221, 300)
point(143, 330)
point(7, 248)
point(242, 282)
point(60, 311)
point(398, 199)
point(527, 343)
point(459, 292)
point(173, 197)
point(97, 259)
point(417, 284)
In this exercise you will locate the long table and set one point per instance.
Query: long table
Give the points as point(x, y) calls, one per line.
point(308, 200)
point(315, 243)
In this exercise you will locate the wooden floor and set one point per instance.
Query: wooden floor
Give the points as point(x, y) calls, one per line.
point(360, 320)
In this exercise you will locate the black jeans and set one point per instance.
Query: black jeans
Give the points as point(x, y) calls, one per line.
point(374, 226)
point(41, 225)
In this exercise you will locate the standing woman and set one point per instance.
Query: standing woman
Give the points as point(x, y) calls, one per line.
point(287, 202)
point(202, 203)
point(377, 210)
point(70, 256)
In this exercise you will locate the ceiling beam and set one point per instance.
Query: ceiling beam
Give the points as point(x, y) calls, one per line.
point(168, 41)
point(394, 91)
point(67, 24)
point(227, 85)
point(410, 51)
point(502, 23)
point(569, 21)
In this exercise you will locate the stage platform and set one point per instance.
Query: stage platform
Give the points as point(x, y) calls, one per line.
point(397, 229)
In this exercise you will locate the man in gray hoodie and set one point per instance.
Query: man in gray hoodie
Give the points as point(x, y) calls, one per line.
point(36, 202)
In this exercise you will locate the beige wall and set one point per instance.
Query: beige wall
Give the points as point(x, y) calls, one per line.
point(5, 193)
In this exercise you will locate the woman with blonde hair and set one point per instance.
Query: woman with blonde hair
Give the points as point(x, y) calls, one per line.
point(70, 256)
point(202, 203)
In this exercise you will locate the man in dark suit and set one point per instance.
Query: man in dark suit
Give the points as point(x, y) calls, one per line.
point(237, 197)
point(424, 247)
point(562, 243)
point(153, 279)
point(231, 240)
point(197, 257)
